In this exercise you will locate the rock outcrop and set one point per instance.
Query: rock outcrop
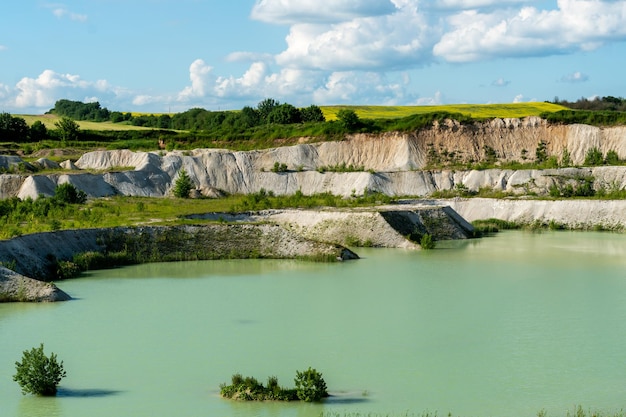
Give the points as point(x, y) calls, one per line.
point(18, 288)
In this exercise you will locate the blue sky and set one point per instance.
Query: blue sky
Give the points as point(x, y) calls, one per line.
point(166, 55)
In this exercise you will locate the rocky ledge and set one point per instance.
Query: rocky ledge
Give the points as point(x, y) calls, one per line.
point(279, 234)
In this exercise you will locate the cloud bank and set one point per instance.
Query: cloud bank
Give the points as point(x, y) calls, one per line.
point(361, 51)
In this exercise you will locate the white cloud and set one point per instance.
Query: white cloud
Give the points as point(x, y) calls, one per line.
point(437, 99)
point(200, 75)
point(361, 88)
point(519, 99)
point(574, 25)
point(3, 48)
point(62, 12)
point(43, 90)
point(398, 40)
point(317, 11)
point(36, 94)
point(575, 77)
point(500, 82)
point(468, 4)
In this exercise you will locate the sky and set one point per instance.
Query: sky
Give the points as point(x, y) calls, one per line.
point(172, 55)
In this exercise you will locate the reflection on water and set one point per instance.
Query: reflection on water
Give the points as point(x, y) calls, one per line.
point(505, 325)
point(31, 406)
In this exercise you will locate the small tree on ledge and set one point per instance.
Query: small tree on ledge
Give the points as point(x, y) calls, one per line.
point(183, 185)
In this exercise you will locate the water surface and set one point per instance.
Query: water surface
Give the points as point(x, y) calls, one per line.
point(502, 326)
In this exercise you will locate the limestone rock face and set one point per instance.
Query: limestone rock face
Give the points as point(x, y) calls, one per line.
point(392, 163)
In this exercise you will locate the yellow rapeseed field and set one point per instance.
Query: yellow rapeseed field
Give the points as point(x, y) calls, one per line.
point(474, 110)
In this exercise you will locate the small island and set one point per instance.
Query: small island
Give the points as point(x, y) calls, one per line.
point(310, 387)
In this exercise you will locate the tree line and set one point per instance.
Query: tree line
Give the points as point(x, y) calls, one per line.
point(608, 103)
point(268, 111)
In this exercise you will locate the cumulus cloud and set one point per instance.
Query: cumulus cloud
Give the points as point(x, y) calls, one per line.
point(200, 75)
point(40, 93)
point(574, 25)
point(367, 87)
point(317, 11)
point(44, 90)
point(394, 41)
point(575, 77)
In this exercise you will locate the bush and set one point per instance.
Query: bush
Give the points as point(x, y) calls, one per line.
point(38, 374)
point(67, 193)
point(594, 157)
point(427, 242)
point(310, 385)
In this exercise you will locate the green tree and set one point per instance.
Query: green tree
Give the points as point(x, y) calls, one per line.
point(284, 114)
point(13, 128)
point(183, 185)
point(541, 155)
point(37, 373)
point(67, 193)
point(38, 131)
point(310, 386)
point(566, 158)
point(265, 107)
point(67, 128)
point(312, 114)
point(349, 119)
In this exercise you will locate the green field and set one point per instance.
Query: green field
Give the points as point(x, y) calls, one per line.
point(474, 110)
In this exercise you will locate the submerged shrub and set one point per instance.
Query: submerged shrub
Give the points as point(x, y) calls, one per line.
point(310, 386)
point(39, 374)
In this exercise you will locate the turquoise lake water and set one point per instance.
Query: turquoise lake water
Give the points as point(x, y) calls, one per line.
point(502, 326)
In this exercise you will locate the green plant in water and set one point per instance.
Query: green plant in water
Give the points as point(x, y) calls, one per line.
point(310, 386)
point(427, 242)
point(39, 374)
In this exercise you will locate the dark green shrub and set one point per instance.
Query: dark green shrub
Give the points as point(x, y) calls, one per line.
point(310, 386)
point(594, 157)
point(67, 193)
point(278, 167)
point(39, 374)
point(612, 158)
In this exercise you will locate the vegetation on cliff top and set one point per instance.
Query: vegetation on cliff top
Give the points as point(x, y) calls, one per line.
point(248, 128)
